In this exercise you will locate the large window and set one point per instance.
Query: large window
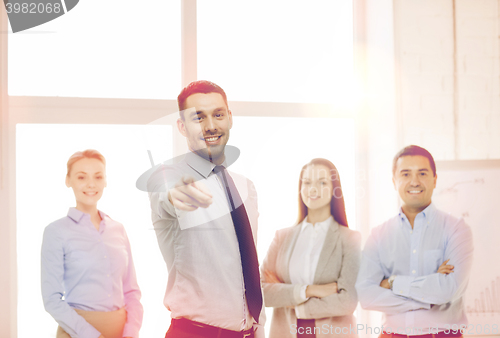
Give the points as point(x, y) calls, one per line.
point(278, 51)
point(112, 49)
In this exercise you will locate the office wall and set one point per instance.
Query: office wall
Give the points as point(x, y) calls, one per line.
point(448, 76)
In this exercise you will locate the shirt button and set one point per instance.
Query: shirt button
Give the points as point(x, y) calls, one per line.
point(105, 256)
point(411, 232)
point(413, 271)
point(109, 295)
point(414, 251)
point(107, 275)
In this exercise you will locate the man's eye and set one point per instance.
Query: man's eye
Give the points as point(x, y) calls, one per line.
point(423, 174)
point(99, 177)
point(81, 177)
point(219, 115)
point(405, 175)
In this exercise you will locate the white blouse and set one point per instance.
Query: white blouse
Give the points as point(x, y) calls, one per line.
point(306, 252)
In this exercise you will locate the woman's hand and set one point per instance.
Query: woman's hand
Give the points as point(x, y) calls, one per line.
point(320, 291)
point(270, 277)
point(445, 268)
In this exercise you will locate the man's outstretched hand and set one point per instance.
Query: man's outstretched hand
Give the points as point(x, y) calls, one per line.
point(189, 195)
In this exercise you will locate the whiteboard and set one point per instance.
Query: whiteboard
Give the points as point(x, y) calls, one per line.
point(471, 189)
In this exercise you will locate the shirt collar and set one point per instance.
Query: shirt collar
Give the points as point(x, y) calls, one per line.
point(198, 163)
point(77, 215)
point(329, 221)
point(205, 167)
point(427, 212)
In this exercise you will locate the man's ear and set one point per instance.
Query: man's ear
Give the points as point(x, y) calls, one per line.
point(181, 126)
point(435, 179)
point(67, 181)
point(394, 183)
point(230, 117)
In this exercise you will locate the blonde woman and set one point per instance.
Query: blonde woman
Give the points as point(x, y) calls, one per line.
point(310, 269)
point(89, 284)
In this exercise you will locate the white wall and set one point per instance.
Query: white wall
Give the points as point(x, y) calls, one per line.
point(459, 121)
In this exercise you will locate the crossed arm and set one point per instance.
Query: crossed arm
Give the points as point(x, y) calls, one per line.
point(421, 292)
point(326, 300)
point(444, 269)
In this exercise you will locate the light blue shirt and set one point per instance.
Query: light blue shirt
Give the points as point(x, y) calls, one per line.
point(93, 270)
point(422, 300)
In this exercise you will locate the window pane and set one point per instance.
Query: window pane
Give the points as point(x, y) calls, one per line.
point(113, 48)
point(277, 51)
point(42, 198)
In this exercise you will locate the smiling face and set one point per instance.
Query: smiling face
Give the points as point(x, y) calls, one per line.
point(316, 189)
point(415, 182)
point(206, 127)
point(87, 178)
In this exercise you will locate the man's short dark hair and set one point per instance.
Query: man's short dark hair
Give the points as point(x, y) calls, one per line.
point(196, 87)
point(413, 151)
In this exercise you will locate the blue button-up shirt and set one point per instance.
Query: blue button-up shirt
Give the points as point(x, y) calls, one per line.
point(422, 300)
point(91, 270)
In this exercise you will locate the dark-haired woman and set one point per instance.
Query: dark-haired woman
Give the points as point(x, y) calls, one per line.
point(311, 268)
point(89, 284)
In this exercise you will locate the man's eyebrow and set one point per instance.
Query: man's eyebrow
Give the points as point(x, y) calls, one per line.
point(195, 113)
point(424, 169)
point(81, 172)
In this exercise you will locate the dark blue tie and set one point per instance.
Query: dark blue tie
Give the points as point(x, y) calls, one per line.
point(249, 261)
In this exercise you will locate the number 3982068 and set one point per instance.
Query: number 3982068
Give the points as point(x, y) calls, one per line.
point(33, 8)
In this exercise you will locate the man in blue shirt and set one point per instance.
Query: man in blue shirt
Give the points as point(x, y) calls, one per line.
point(415, 266)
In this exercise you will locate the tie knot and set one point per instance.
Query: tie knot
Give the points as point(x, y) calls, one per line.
point(218, 168)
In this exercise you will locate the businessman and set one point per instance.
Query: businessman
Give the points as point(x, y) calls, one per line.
point(205, 219)
point(415, 266)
